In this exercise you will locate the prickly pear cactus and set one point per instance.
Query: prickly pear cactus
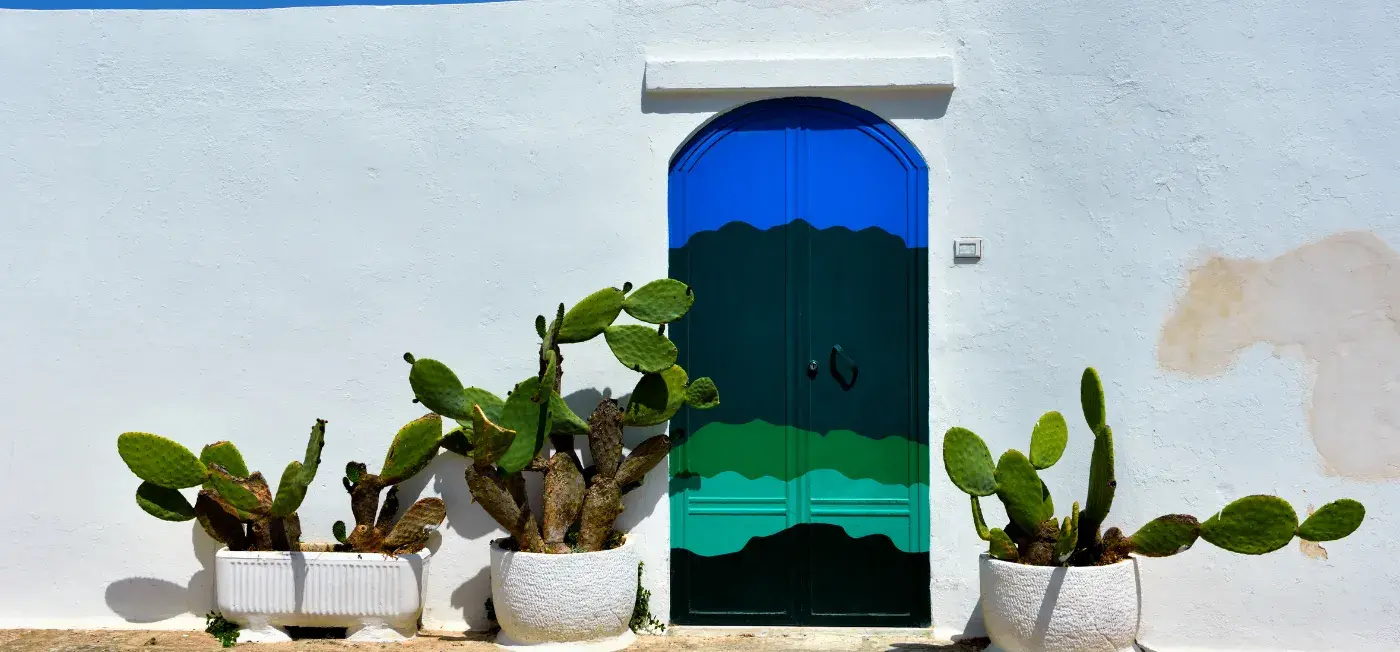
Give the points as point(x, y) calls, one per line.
point(641, 348)
point(660, 302)
point(234, 507)
point(589, 317)
point(1335, 520)
point(1252, 525)
point(505, 438)
point(161, 461)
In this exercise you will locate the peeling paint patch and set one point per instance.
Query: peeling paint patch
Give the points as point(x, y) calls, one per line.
point(1337, 302)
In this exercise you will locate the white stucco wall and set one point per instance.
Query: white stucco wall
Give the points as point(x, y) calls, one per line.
point(219, 224)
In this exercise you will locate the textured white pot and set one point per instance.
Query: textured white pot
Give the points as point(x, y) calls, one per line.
point(574, 602)
point(1058, 609)
point(374, 596)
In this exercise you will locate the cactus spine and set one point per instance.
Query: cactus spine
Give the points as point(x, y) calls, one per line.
point(235, 507)
point(505, 437)
point(379, 527)
point(1252, 525)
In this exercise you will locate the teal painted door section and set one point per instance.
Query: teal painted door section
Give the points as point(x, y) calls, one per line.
point(803, 498)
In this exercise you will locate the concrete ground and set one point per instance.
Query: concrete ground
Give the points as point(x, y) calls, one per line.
point(48, 640)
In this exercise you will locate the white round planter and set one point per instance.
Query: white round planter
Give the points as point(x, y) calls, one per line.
point(573, 602)
point(376, 597)
point(1058, 609)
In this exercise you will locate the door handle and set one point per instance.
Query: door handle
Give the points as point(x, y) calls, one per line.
point(837, 351)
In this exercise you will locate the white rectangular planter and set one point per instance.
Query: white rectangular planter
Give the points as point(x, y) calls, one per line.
point(376, 597)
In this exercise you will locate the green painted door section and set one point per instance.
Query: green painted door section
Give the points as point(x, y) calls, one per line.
point(803, 498)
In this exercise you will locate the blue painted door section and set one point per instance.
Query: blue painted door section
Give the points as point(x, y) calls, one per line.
point(803, 498)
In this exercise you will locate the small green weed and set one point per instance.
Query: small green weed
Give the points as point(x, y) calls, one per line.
point(223, 630)
point(642, 618)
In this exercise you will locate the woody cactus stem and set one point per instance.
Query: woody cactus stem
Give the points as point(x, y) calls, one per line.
point(235, 507)
point(380, 528)
point(1252, 525)
point(505, 437)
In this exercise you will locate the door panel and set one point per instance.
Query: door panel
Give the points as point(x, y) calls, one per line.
point(858, 295)
point(739, 273)
point(802, 499)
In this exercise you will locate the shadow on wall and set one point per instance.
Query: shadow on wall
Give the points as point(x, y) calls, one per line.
point(471, 597)
point(149, 600)
point(1336, 303)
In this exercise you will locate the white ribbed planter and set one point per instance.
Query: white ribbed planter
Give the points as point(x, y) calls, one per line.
point(573, 602)
point(374, 596)
point(1058, 609)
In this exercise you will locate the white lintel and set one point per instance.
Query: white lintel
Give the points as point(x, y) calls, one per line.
point(930, 72)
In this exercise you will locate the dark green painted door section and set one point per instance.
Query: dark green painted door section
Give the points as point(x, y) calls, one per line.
point(803, 498)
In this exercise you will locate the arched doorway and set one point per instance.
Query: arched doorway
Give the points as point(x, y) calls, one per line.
point(803, 498)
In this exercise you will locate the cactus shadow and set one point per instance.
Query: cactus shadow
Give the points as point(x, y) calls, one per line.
point(447, 472)
point(146, 599)
point(150, 600)
point(471, 597)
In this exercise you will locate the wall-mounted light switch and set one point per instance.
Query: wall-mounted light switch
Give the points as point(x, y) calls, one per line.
point(967, 249)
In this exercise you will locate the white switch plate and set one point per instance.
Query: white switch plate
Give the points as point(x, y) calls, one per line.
point(967, 248)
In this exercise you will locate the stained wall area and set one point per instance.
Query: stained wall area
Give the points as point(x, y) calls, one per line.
point(221, 224)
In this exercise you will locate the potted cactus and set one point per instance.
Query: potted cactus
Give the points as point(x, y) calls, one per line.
point(1089, 576)
point(568, 576)
point(266, 578)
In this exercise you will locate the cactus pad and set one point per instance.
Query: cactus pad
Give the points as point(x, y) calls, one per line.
point(488, 440)
point(163, 503)
point(660, 302)
point(315, 442)
point(978, 521)
point(1165, 536)
point(221, 524)
point(235, 491)
point(563, 420)
point(1252, 525)
point(412, 449)
point(656, 398)
point(1047, 511)
point(1335, 520)
point(702, 394)
point(641, 348)
point(160, 461)
point(540, 326)
point(225, 454)
point(338, 531)
point(550, 376)
point(291, 490)
point(354, 471)
point(1091, 399)
point(587, 319)
point(1001, 547)
point(1103, 482)
point(438, 389)
point(1068, 537)
point(1048, 440)
point(423, 516)
point(968, 462)
point(530, 421)
point(1020, 490)
point(456, 441)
